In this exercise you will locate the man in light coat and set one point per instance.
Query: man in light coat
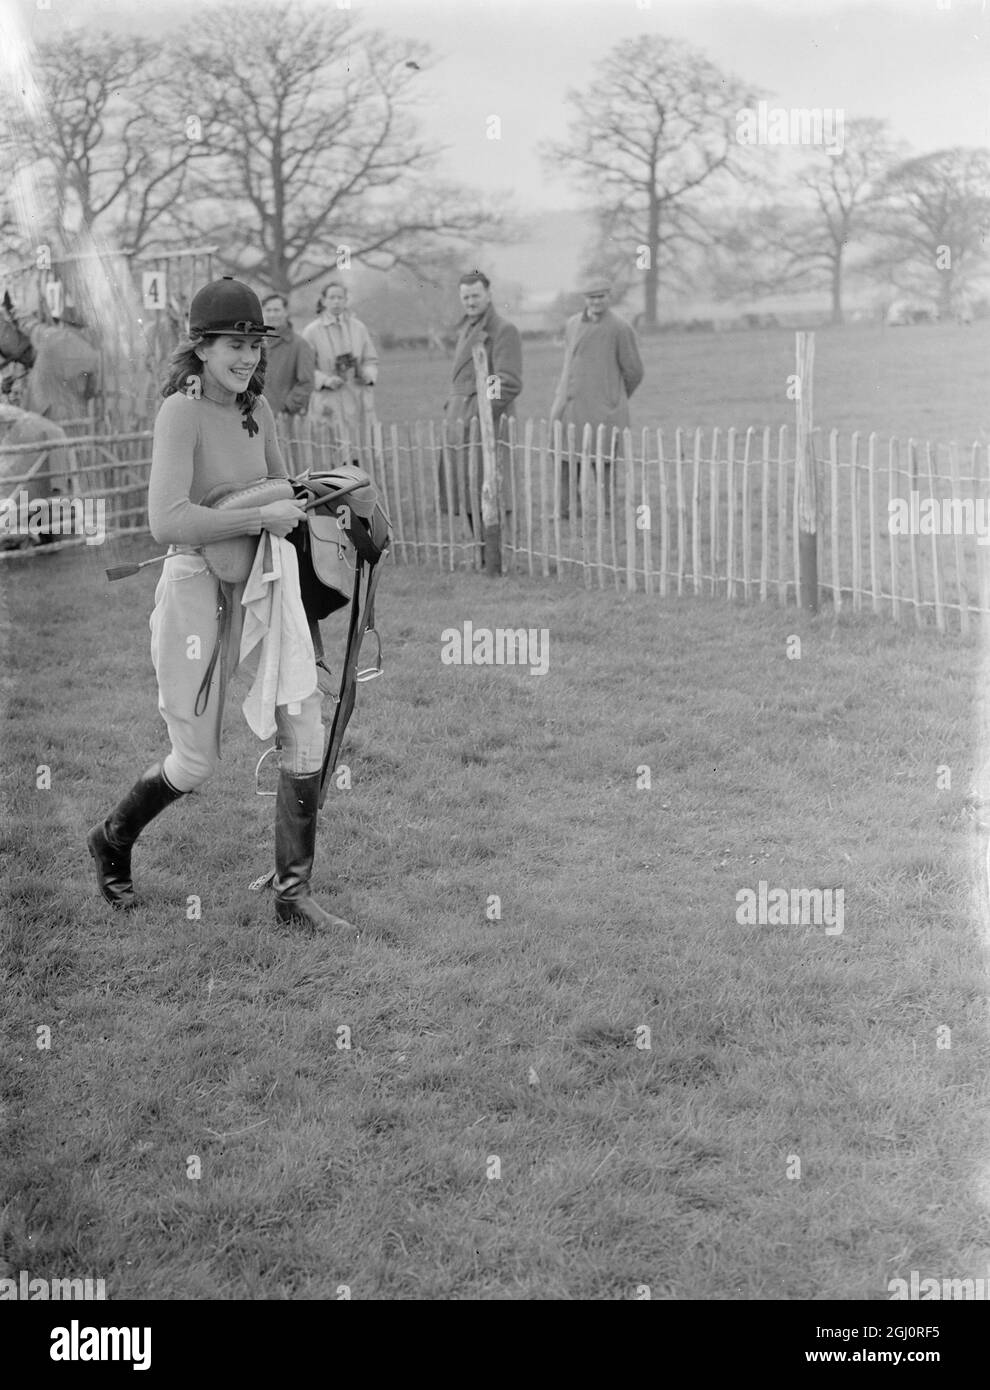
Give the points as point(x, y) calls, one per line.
point(503, 352)
point(602, 368)
point(343, 404)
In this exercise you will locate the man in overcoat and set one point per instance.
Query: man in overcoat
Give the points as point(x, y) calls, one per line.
point(289, 365)
point(503, 351)
point(602, 368)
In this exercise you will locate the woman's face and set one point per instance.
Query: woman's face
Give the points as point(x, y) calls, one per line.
point(335, 299)
point(229, 361)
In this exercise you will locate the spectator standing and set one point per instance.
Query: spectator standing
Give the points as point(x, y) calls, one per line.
point(289, 365)
point(602, 368)
point(503, 351)
point(343, 404)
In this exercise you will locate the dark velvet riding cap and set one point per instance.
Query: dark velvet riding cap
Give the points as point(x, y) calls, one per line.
point(228, 306)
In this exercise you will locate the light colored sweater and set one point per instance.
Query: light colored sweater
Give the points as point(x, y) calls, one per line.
point(198, 444)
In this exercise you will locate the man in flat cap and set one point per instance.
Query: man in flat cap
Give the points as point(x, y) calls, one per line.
point(602, 368)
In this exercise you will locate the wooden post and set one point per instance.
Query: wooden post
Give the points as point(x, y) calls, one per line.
point(414, 455)
point(586, 447)
point(765, 518)
point(730, 514)
point(871, 468)
point(781, 515)
point(557, 465)
point(513, 447)
point(746, 519)
point(647, 516)
point(855, 529)
point(664, 517)
point(962, 589)
point(555, 479)
point(714, 494)
point(696, 514)
point(473, 492)
point(491, 519)
point(681, 508)
point(465, 439)
point(448, 476)
point(912, 537)
point(893, 451)
point(528, 489)
point(397, 520)
point(627, 449)
point(378, 448)
point(572, 476)
point(833, 465)
point(936, 572)
point(600, 495)
point(982, 559)
point(435, 465)
point(806, 474)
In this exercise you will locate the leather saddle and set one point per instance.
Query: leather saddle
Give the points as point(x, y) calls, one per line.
point(231, 560)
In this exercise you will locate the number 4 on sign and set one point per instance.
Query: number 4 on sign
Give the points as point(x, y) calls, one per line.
point(153, 288)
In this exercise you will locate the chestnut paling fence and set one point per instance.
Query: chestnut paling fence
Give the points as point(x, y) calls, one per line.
point(681, 512)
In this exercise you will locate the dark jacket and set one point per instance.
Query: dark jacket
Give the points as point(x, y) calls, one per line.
point(289, 363)
point(503, 348)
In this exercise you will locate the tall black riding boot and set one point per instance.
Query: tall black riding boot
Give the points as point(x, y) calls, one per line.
point(110, 843)
point(295, 844)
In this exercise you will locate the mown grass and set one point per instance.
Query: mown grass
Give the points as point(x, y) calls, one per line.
point(929, 381)
point(513, 1039)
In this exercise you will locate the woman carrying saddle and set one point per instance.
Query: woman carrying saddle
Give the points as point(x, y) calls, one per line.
point(214, 436)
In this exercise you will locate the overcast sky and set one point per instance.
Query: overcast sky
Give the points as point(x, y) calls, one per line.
point(924, 68)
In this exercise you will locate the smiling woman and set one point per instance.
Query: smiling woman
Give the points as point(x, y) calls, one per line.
point(212, 395)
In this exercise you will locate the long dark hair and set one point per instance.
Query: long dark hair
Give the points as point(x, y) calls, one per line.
point(184, 364)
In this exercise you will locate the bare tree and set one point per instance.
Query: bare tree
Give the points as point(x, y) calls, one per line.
point(312, 152)
point(937, 235)
point(655, 129)
point(114, 164)
point(807, 242)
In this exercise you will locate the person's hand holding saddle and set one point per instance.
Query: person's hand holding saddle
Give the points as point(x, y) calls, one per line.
point(282, 517)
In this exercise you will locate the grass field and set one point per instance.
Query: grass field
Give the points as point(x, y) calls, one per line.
point(493, 1131)
point(797, 1127)
point(929, 381)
